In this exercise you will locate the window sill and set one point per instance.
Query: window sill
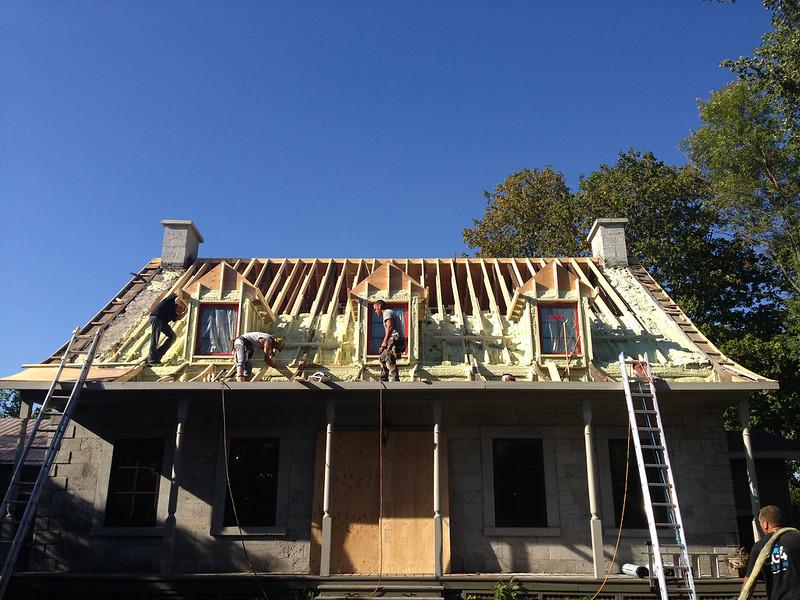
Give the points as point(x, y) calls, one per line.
point(101, 531)
point(522, 531)
point(248, 531)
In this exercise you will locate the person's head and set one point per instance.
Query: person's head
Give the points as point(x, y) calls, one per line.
point(770, 517)
point(508, 377)
point(378, 306)
point(279, 343)
point(180, 308)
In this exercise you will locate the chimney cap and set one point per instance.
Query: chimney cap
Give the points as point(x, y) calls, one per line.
point(598, 223)
point(180, 224)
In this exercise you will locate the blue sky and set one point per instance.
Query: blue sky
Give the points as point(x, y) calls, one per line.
point(312, 128)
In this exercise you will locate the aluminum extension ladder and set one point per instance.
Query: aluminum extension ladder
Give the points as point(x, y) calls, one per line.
point(658, 485)
point(22, 495)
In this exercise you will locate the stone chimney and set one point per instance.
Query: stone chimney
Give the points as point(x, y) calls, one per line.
point(607, 238)
point(181, 240)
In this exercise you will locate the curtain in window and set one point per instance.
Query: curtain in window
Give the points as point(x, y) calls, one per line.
point(559, 332)
point(217, 327)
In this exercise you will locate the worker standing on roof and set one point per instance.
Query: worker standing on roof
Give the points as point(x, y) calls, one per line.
point(171, 308)
point(781, 566)
point(244, 346)
point(393, 343)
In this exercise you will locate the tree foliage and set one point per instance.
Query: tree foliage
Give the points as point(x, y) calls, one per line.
point(531, 213)
point(671, 231)
point(9, 403)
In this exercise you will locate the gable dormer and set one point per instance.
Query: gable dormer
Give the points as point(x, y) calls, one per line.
point(403, 294)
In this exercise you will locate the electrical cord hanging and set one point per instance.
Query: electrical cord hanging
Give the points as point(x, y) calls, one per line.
point(621, 517)
point(381, 387)
point(230, 493)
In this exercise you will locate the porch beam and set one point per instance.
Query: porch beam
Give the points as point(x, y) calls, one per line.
point(168, 542)
point(437, 509)
point(595, 524)
point(325, 549)
point(750, 463)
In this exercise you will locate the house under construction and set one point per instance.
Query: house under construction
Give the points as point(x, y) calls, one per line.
point(175, 480)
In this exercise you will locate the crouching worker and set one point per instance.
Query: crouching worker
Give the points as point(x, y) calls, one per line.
point(393, 343)
point(245, 345)
point(170, 309)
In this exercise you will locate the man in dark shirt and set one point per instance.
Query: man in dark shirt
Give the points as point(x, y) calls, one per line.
point(169, 309)
point(781, 570)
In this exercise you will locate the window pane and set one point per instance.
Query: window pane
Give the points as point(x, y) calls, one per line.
point(253, 470)
point(215, 329)
point(558, 329)
point(519, 488)
point(133, 482)
point(635, 517)
point(376, 329)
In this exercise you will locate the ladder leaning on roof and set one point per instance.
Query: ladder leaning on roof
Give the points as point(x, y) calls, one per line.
point(22, 495)
point(655, 475)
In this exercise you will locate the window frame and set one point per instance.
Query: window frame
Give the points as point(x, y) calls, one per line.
point(392, 305)
point(578, 334)
point(282, 494)
point(488, 435)
point(606, 486)
point(99, 528)
point(200, 307)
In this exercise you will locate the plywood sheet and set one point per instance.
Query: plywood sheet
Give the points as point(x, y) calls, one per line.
point(402, 541)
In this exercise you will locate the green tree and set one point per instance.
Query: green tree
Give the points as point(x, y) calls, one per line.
point(531, 213)
point(9, 403)
point(743, 149)
point(670, 231)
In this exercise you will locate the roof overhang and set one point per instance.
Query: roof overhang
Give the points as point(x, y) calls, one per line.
point(498, 390)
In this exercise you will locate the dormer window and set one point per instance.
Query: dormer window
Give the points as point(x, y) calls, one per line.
point(216, 327)
point(375, 327)
point(559, 332)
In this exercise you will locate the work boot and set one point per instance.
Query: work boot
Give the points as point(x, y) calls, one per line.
point(394, 376)
point(384, 374)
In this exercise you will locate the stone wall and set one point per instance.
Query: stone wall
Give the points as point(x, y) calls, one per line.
point(69, 533)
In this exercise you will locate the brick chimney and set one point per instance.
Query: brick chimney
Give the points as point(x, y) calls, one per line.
point(607, 238)
point(181, 240)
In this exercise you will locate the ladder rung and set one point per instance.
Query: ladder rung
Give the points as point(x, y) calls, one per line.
point(650, 447)
point(17, 502)
point(40, 447)
point(649, 429)
point(655, 466)
point(664, 485)
point(663, 504)
point(48, 429)
point(670, 525)
point(53, 413)
point(644, 412)
point(87, 336)
point(642, 394)
point(73, 366)
point(60, 397)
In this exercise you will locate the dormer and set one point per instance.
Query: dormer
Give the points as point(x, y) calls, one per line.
point(402, 294)
point(222, 304)
point(556, 301)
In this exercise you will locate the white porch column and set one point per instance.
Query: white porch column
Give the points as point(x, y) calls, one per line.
point(595, 524)
point(168, 548)
point(750, 463)
point(437, 510)
point(325, 549)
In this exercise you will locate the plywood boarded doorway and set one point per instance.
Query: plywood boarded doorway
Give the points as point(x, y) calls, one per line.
point(403, 543)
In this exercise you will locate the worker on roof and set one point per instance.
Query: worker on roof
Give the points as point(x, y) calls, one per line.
point(244, 346)
point(170, 309)
point(393, 343)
